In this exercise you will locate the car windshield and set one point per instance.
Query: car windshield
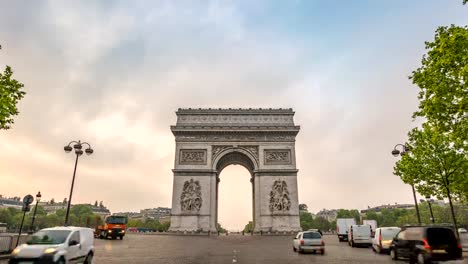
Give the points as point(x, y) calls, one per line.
point(312, 235)
point(440, 236)
point(116, 220)
point(389, 233)
point(48, 237)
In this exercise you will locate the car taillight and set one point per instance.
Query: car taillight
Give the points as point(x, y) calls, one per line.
point(426, 245)
point(302, 242)
point(323, 243)
point(460, 246)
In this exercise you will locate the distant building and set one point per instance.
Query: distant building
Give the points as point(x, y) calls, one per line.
point(51, 207)
point(330, 215)
point(13, 202)
point(156, 213)
point(378, 209)
point(131, 215)
point(161, 214)
point(102, 211)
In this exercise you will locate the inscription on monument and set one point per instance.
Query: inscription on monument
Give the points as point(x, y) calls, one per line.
point(190, 199)
point(279, 197)
point(193, 156)
point(277, 157)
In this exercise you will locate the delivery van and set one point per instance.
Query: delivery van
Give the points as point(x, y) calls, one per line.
point(61, 245)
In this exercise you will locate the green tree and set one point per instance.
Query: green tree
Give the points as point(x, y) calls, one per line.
point(248, 227)
point(10, 93)
point(221, 229)
point(306, 220)
point(303, 207)
point(344, 213)
point(443, 84)
point(435, 166)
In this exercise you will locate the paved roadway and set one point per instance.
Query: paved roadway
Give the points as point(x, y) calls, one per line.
point(136, 249)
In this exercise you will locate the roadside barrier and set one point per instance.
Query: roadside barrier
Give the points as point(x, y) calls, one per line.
point(8, 242)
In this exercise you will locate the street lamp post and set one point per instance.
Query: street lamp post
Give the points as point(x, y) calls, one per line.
point(396, 152)
point(78, 151)
point(429, 201)
point(38, 199)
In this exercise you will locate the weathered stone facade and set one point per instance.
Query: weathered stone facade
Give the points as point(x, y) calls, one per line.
point(261, 140)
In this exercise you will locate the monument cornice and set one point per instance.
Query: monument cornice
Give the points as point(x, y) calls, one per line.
point(239, 111)
point(237, 128)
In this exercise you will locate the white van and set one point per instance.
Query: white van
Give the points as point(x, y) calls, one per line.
point(342, 225)
point(57, 245)
point(359, 235)
point(372, 223)
point(383, 238)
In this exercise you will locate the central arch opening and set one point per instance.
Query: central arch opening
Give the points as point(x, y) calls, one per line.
point(235, 206)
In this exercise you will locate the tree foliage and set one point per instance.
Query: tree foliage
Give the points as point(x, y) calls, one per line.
point(10, 93)
point(344, 213)
point(80, 215)
point(443, 84)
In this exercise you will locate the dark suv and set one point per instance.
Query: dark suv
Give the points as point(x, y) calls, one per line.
point(424, 244)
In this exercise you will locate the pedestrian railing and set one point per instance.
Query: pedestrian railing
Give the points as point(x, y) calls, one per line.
point(8, 242)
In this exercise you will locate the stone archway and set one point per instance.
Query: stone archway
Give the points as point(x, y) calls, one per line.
point(261, 140)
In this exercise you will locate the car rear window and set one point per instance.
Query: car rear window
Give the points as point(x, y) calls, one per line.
point(440, 236)
point(312, 235)
point(389, 233)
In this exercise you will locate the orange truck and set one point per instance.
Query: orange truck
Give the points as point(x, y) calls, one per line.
point(114, 226)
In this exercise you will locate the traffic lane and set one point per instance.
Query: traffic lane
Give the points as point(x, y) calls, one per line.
point(137, 248)
point(225, 249)
point(279, 250)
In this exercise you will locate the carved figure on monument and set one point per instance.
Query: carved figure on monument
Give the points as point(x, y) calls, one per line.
point(279, 197)
point(190, 199)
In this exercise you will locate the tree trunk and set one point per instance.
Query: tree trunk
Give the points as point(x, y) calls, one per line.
point(453, 212)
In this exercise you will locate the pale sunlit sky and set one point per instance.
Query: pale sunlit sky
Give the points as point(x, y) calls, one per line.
point(113, 73)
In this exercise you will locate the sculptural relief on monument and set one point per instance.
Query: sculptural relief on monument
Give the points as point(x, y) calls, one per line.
point(215, 150)
point(279, 197)
point(253, 150)
point(190, 199)
point(277, 157)
point(193, 156)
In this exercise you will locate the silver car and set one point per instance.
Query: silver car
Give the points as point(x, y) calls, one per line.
point(309, 241)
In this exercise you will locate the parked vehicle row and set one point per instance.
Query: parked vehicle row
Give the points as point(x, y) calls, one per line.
point(418, 244)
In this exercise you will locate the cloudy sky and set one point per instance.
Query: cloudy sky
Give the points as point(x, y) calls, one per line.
point(113, 73)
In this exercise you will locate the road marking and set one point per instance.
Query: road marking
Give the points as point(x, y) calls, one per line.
point(234, 256)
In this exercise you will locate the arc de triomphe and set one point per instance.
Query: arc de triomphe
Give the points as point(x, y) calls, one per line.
point(261, 140)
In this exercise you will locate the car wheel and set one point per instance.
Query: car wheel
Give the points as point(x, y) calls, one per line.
point(61, 261)
point(421, 259)
point(294, 249)
point(352, 244)
point(89, 259)
point(393, 254)
point(322, 251)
